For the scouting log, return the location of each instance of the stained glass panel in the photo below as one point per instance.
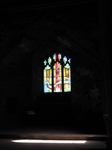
(67, 74)
(57, 69)
(47, 76)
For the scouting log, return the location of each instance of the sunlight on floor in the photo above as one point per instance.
(50, 141)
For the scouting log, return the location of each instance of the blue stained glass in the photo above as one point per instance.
(69, 60)
(65, 59)
(59, 56)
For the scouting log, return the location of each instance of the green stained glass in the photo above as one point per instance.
(45, 62)
(49, 60)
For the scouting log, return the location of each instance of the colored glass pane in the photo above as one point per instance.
(49, 60)
(57, 69)
(47, 76)
(64, 59)
(67, 74)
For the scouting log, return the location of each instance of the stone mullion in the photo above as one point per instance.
(62, 75)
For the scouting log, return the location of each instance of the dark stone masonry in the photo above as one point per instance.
(28, 36)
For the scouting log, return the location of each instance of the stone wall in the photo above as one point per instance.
(28, 37)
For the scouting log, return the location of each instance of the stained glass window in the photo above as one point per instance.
(57, 74)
